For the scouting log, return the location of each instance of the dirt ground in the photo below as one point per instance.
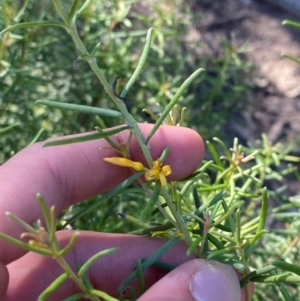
(276, 96)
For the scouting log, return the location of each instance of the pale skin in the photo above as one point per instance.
(68, 174)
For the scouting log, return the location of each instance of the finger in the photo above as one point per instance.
(67, 174)
(32, 273)
(198, 279)
(4, 278)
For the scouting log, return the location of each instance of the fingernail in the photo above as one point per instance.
(215, 282)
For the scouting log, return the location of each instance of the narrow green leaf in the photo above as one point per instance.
(248, 251)
(8, 129)
(265, 141)
(285, 215)
(150, 230)
(52, 287)
(224, 256)
(20, 222)
(96, 47)
(222, 227)
(162, 265)
(45, 210)
(70, 244)
(196, 199)
(52, 230)
(276, 158)
(193, 246)
(25, 246)
(32, 24)
(79, 108)
(91, 260)
(85, 278)
(85, 137)
(215, 241)
(73, 9)
(103, 295)
(133, 220)
(256, 237)
(148, 262)
(173, 101)
(222, 252)
(224, 147)
(215, 154)
(227, 215)
(105, 197)
(164, 154)
(83, 7)
(214, 212)
(225, 237)
(211, 202)
(154, 117)
(290, 158)
(238, 225)
(287, 267)
(108, 139)
(182, 115)
(285, 293)
(124, 34)
(291, 57)
(205, 165)
(146, 212)
(291, 23)
(264, 270)
(206, 187)
(229, 221)
(140, 276)
(74, 297)
(141, 63)
(37, 136)
(263, 211)
(156, 210)
(204, 247)
(280, 278)
(19, 15)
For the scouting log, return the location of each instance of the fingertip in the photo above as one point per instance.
(200, 280)
(215, 281)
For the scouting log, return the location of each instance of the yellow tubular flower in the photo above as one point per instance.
(158, 172)
(138, 166)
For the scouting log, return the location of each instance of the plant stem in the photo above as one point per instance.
(62, 262)
(178, 218)
(131, 122)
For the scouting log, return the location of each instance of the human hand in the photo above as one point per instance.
(65, 175)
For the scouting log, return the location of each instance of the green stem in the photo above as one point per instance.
(61, 261)
(178, 218)
(61, 10)
(131, 122)
(72, 30)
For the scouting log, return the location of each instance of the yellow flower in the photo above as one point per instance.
(138, 166)
(157, 172)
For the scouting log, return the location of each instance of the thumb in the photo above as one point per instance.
(199, 280)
